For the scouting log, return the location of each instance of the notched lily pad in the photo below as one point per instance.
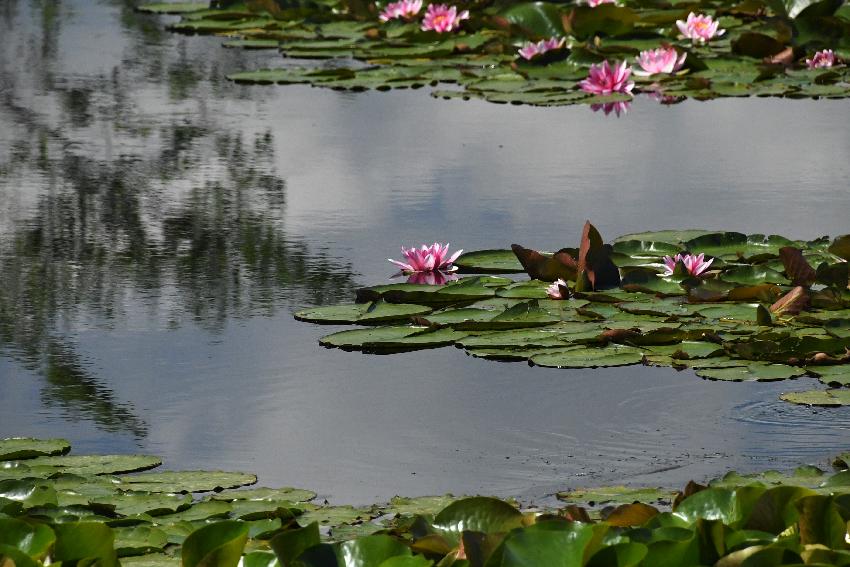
(13, 448)
(582, 357)
(186, 481)
(825, 398)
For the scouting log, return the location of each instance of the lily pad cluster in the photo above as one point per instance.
(769, 308)
(762, 53)
(97, 517)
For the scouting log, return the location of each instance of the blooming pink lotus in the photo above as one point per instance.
(619, 107)
(822, 60)
(699, 28)
(427, 259)
(531, 49)
(695, 264)
(402, 9)
(595, 3)
(556, 290)
(442, 18)
(661, 60)
(604, 79)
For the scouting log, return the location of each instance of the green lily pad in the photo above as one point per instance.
(203, 510)
(618, 495)
(835, 376)
(173, 7)
(826, 398)
(139, 540)
(422, 505)
(186, 481)
(752, 372)
(286, 493)
(364, 313)
(489, 261)
(97, 464)
(27, 448)
(582, 357)
(334, 515)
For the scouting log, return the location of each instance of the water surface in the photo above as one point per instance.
(159, 225)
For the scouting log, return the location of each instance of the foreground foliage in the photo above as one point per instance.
(763, 311)
(512, 51)
(78, 510)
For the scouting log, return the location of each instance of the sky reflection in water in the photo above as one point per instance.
(158, 225)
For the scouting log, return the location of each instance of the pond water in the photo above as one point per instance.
(159, 225)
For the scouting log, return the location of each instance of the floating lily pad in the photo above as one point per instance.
(186, 481)
(752, 372)
(826, 398)
(334, 515)
(286, 493)
(97, 464)
(173, 7)
(617, 495)
(581, 357)
(364, 313)
(27, 448)
(835, 376)
(139, 540)
(489, 261)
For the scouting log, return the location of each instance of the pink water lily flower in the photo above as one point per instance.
(822, 60)
(427, 259)
(619, 107)
(402, 9)
(699, 28)
(531, 49)
(661, 60)
(442, 18)
(695, 264)
(604, 79)
(595, 3)
(555, 291)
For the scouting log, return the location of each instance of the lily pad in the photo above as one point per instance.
(582, 357)
(286, 493)
(826, 398)
(364, 313)
(489, 261)
(186, 481)
(27, 448)
(835, 376)
(97, 464)
(752, 372)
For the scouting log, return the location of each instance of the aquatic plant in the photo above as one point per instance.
(764, 314)
(106, 510)
(699, 28)
(695, 264)
(659, 60)
(755, 58)
(405, 9)
(558, 290)
(604, 79)
(532, 49)
(595, 3)
(427, 258)
(443, 18)
(821, 60)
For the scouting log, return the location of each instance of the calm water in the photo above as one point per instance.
(159, 225)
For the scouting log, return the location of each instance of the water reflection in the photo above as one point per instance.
(124, 208)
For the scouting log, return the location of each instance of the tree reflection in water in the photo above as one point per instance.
(134, 206)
